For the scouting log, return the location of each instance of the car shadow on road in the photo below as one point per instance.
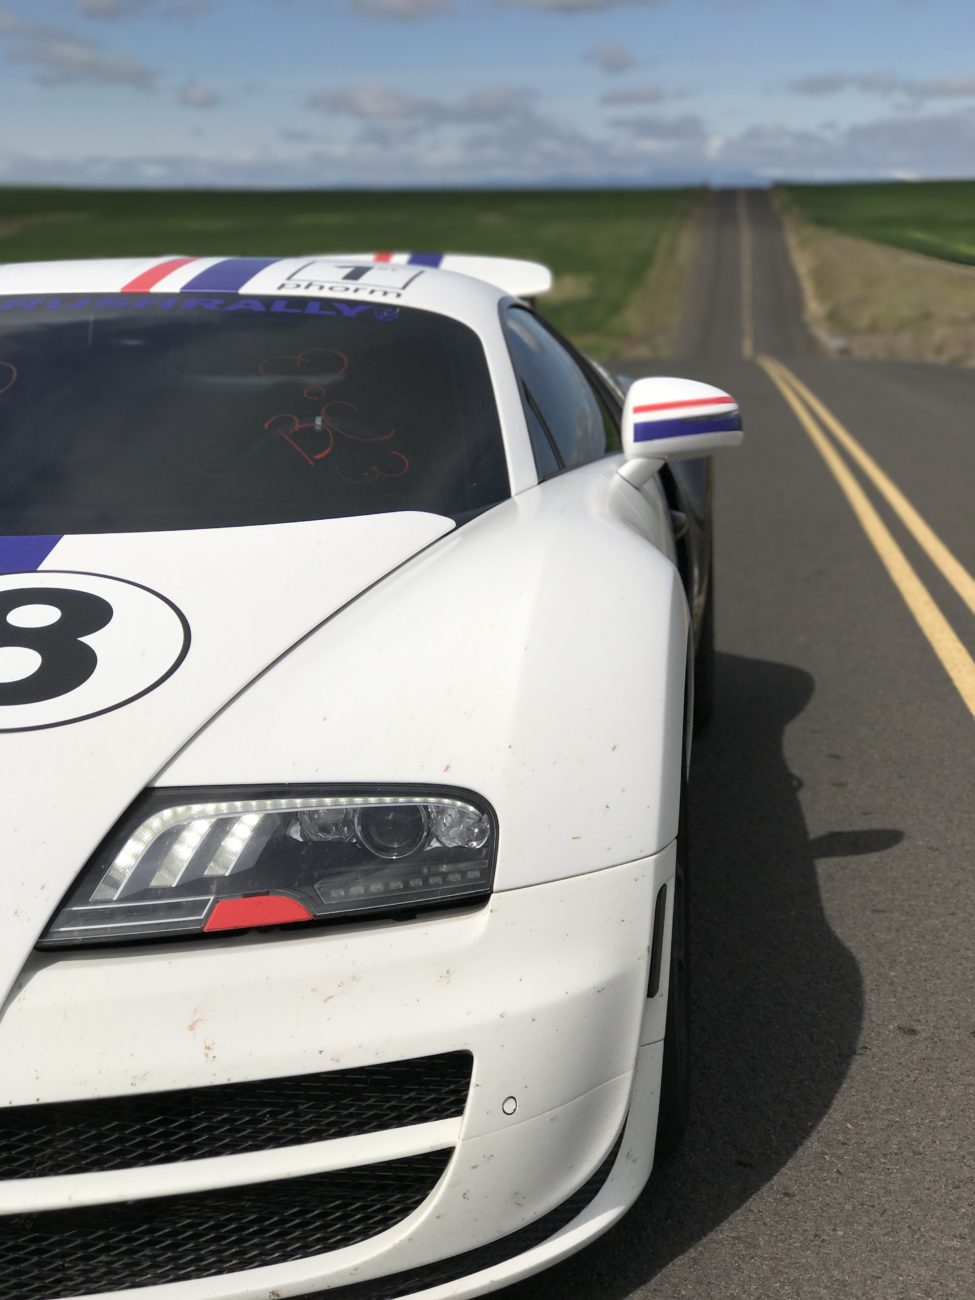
(777, 999)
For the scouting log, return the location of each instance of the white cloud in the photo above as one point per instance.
(11, 23)
(579, 6)
(372, 103)
(655, 134)
(492, 134)
(497, 101)
(635, 95)
(404, 10)
(535, 149)
(945, 88)
(187, 9)
(937, 146)
(941, 145)
(61, 59)
(110, 8)
(834, 83)
(610, 57)
(196, 95)
(883, 83)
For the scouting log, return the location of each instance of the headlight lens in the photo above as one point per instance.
(185, 862)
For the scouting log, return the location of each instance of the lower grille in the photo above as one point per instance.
(158, 1128)
(395, 1285)
(62, 1253)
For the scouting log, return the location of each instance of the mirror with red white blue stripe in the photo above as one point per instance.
(677, 419)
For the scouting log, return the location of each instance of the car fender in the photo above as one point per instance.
(536, 656)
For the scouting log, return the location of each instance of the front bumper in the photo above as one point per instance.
(545, 987)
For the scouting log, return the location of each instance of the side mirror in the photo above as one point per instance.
(678, 419)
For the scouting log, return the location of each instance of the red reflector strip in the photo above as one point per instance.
(149, 279)
(694, 401)
(382, 257)
(265, 909)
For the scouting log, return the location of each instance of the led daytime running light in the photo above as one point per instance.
(204, 865)
(118, 875)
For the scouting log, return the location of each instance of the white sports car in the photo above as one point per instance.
(346, 620)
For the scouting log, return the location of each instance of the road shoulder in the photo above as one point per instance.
(873, 302)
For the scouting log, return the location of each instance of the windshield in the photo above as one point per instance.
(124, 413)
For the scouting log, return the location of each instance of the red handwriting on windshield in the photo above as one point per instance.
(315, 433)
(8, 376)
(319, 365)
(332, 422)
(321, 426)
(395, 467)
(314, 369)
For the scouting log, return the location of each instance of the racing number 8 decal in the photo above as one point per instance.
(65, 661)
(76, 645)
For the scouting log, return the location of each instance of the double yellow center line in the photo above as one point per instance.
(816, 419)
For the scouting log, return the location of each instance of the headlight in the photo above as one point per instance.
(195, 861)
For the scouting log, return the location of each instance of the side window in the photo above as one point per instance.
(543, 445)
(570, 421)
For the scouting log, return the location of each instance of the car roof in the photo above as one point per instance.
(451, 284)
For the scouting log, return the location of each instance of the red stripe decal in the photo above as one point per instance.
(265, 909)
(382, 257)
(148, 279)
(696, 401)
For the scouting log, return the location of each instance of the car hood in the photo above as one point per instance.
(117, 648)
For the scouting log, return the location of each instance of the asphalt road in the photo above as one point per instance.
(832, 1145)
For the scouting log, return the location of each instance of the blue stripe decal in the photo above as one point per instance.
(652, 430)
(425, 259)
(23, 554)
(228, 276)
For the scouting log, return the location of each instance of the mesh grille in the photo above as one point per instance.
(395, 1285)
(227, 1119)
(172, 1239)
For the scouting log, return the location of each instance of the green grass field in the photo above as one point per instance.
(936, 218)
(606, 247)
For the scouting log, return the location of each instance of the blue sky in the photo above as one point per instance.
(325, 93)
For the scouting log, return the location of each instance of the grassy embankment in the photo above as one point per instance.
(619, 256)
(857, 249)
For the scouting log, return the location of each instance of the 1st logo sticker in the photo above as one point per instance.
(76, 645)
